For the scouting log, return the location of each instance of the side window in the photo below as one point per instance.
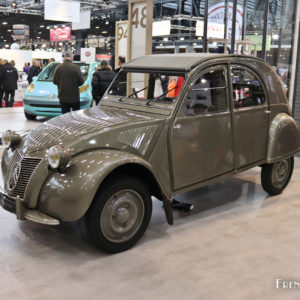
(247, 89)
(208, 94)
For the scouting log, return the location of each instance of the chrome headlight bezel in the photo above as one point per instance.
(58, 157)
(10, 139)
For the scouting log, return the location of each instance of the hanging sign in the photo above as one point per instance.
(60, 34)
(60, 10)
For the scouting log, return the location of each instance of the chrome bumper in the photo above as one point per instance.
(16, 207)
(7, 203)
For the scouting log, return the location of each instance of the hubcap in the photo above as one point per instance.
(122, 216)
(280, 173)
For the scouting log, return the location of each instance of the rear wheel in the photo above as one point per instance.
(29, 116)
(275, 177)
(119, 214)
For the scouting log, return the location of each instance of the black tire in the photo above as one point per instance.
(120, 199)
(29, 116)
(275, 177)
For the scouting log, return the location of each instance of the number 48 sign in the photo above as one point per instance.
(140, 18)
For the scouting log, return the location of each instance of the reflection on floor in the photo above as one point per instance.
(234, 245)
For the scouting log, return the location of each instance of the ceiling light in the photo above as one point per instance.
(4, 23)
(106, 22)
(9, 30)
(42, 26)
(104, 32)
(182, 38)
(97, 27)
(166, 39)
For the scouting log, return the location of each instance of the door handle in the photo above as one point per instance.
(177, 126)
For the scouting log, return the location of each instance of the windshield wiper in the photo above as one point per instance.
(133, 94)
(165, 93)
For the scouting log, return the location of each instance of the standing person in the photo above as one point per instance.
(121, 62)
(9, 76)
(68, 78)
(34, 70)
(102, 78)
(1, 83)
(26, 68)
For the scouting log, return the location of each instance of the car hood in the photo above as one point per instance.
(97, 127)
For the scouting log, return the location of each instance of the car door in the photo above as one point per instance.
(250, 116)
(201, 135)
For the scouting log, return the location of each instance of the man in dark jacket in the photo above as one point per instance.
(9, 77)
(34, 70)
(68, 78)
(102, 78)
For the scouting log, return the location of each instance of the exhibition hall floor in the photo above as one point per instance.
(234, 245)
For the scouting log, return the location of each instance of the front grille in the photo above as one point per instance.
(16, 184)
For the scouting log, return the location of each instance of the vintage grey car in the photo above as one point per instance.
(166, 125)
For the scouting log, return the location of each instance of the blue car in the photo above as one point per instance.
(41, 96)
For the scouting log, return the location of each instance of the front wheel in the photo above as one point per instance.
(29, 116)
(275, 177)
(119, 214)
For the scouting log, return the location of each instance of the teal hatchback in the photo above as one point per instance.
(41, 96)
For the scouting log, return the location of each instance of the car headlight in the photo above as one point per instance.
(58, 156)
(31, 88)
(10, 139)
(84, 88)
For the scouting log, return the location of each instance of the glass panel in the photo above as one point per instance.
(150, 85)
(208, 94)
(280, 38)
(247, 90)
(255, 23)
(48, 73)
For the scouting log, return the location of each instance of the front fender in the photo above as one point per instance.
(67, 195)
(284, 138)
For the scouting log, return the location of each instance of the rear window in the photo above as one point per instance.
(48, 72)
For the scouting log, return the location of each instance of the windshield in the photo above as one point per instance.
(48, 73)
(153, 86)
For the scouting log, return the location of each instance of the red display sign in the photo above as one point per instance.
(60, 34)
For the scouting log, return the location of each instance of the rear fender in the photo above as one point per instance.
(284, 138)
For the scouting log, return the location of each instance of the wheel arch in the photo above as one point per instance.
(70, 202)
(139, 171)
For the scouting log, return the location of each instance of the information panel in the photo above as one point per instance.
(121, 40)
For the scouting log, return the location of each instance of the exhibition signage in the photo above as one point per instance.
(140, 28)
(139, 42)
(216, 17)
(84, 22)
(161, 28)
(60, 10)
(60, 34)
(88, 55)
(121, 40)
